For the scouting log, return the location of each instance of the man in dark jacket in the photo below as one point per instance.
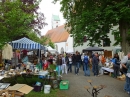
(95, 62)
(77, 65)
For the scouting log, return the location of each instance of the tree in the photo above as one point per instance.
(32, 7)
(95, 19)
(34, 37)
(13, 21)
(18, 18)
(51, 44)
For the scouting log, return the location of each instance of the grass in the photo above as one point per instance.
(53, 93)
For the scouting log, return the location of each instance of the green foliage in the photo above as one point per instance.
(95, 18)
(51, 44)
(34, 37)
(18, 18)
(13, 21)
(44, 40)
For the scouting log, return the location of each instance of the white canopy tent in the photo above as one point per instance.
(50, 49)
(70, 51)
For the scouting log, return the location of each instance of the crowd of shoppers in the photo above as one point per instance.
(66, 61)
(94, 62)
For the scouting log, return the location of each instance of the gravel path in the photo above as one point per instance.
(114, 87)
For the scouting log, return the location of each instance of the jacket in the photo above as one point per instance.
(95, 60)
(128, 66)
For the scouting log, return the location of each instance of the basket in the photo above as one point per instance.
(64, 85)
(37, 88)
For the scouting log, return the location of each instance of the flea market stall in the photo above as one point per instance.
(91, 49)
(25, 68)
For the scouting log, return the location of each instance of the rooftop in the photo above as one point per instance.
(58, 34)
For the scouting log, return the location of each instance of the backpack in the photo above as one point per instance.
(114, 61)
(86, 59)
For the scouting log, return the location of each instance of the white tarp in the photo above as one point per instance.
(70, 51)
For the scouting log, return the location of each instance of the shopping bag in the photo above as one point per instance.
(57, 68)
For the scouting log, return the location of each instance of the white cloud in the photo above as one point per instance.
(48, 8)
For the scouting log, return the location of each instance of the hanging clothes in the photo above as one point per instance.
(25, 52)
(7, 52)
(39, 53)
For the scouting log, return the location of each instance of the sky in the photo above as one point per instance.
(48, 8)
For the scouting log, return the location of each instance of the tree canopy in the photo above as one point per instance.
(44, 40)
(95, 19)
(18, 18)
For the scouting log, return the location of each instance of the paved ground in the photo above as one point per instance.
(78, 82)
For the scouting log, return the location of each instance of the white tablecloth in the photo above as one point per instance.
(107, 69)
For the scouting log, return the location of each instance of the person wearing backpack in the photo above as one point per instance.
(86, 67)
(116, 65)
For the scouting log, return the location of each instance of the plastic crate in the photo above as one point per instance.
(64, 85)
(37, 88)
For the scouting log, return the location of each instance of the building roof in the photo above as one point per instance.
(55, 17)
(58, 34)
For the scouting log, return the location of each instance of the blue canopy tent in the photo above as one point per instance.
(25, 43)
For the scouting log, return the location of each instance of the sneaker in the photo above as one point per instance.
(98, 75)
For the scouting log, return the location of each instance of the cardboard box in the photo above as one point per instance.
(23, 88)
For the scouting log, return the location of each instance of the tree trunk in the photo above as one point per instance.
(123, 28)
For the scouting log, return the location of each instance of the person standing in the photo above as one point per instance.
(85, 64)
(95, 62)
(128, 75)
(64, 66)
(124, 70)
(70, 63)
(77, 65)
(59, 64)
(116, 65)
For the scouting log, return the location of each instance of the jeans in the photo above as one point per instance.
(70, 67)
(59, 69)
(77, 67)
(127, 84)
(116, 70)
(95, 69)
(64, 68)
(86, 70)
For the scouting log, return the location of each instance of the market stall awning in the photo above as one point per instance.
(50, 49)
(93, 49)
(25, 43)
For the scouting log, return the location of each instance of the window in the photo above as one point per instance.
(106, 42)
